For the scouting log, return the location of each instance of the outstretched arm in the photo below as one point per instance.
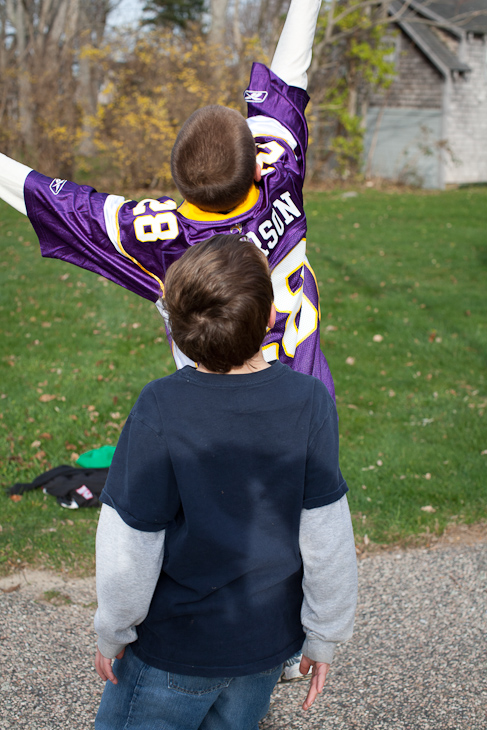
(293, 53)
(12, 178)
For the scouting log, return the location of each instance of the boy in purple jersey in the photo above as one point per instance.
(227, 188)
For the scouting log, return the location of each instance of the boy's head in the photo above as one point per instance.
(213, 161)
(218, 298)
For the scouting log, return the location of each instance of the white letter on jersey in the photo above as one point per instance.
(286, 206)
(268, 234)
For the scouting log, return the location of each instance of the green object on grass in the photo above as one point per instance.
(96, 458)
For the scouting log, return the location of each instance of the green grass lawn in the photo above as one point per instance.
(403, 287)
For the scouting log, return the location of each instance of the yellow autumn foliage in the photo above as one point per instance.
(153, 86)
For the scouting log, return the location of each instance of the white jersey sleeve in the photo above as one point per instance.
(293, 53)
(12, 178)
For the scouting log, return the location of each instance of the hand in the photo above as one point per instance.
(104, 666)
(317, 682)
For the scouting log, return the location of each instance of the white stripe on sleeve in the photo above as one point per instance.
(110, 211)
(262, 126)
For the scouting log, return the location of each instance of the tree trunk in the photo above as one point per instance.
(93, 20)
(216, 35)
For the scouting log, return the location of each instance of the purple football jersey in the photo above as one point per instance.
(133, 243)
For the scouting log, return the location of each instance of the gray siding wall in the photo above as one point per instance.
(406, 145)
(466, 118)
(406, 133)
(418, 85)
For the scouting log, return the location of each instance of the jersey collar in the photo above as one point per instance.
(188, 210)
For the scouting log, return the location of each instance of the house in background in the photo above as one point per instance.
(430, 127)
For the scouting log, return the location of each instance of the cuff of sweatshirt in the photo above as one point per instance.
(108, 650)
(317, 649)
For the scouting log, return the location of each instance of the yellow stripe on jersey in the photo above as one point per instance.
(121, 250)
(192, 212)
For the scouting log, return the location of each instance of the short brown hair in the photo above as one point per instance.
(213, 159)
(218, 299)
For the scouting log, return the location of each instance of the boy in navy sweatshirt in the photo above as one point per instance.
(225, 542)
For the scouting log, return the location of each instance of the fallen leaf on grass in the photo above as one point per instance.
(11, 589)
(15, 497)
(428, 508)
(483, 453)
(350, 361)
(46, 398)
(377, 338)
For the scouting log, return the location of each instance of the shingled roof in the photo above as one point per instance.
(469, 15)
(418, 21)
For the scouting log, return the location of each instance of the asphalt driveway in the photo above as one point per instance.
(417, 661)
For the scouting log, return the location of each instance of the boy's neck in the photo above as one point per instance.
(253, 365)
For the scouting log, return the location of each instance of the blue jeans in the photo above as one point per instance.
(147, 698)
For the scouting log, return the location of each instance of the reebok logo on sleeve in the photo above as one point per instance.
(57, 185)
(255, 97)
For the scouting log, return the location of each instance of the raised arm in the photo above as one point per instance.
(293, 53)
(12, 178)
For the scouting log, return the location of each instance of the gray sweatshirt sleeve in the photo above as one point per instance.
(12, 179)
(293, 53)
(330, 578)
(128, 565)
